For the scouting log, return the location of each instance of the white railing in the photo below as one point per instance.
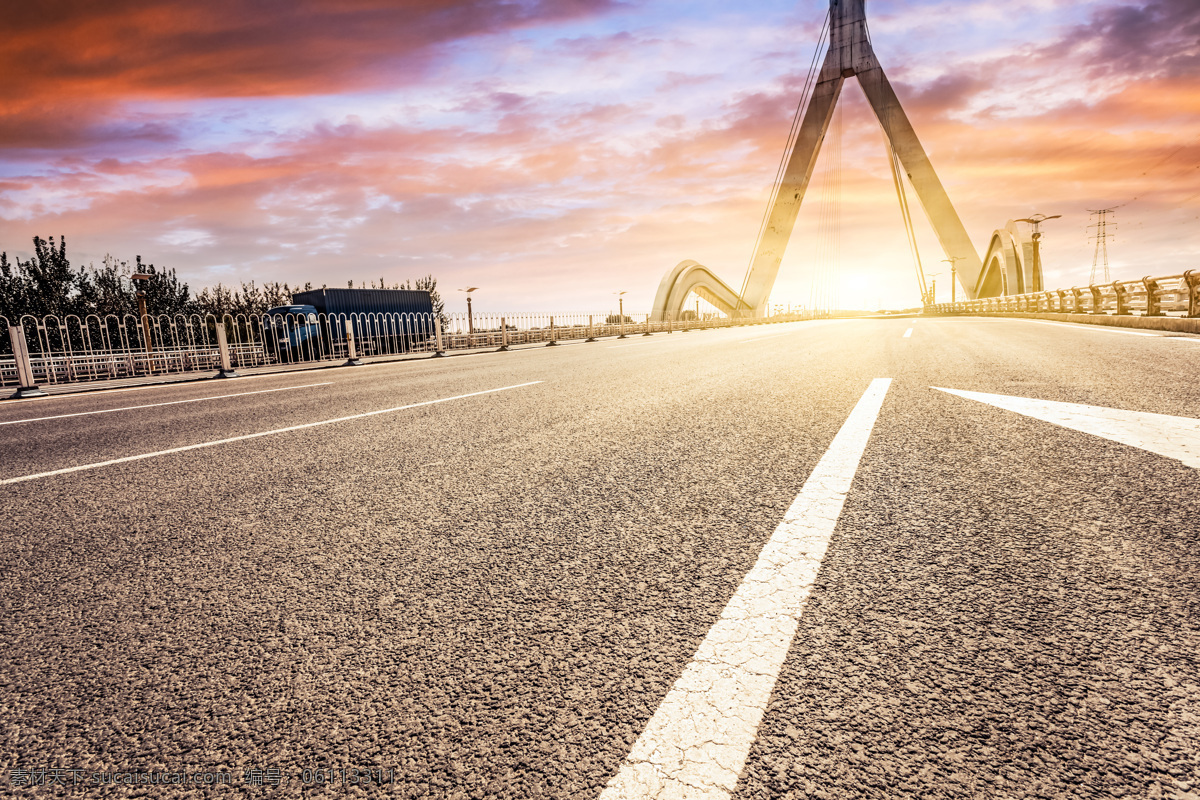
(1174, 295)
(73, 350)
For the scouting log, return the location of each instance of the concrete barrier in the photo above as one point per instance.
(1175, 324)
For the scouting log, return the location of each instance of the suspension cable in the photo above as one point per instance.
(793, 133)
(906, 213)
(824, 287)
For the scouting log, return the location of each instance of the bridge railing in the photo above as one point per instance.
(65, 350)
(1170, 295)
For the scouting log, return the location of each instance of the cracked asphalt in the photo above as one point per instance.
(489, 597)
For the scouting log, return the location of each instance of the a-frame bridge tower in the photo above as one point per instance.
(850, 55)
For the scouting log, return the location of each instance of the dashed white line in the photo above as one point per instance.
(696, 743)
(907, 334)
(243, 438)
(168, 403)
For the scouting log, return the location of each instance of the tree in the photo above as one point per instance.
(429, 284)
(250, 300)
(110, 288)
(45, 284)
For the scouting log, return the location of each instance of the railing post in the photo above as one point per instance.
(503, 335)
(591, 337)
(1077, 300)
(1097, 300)
(1153, 308)
(351, 350)
(552, 341)
(1122, 298)
(437, 329)
(669, 323)
(26, 385)
(647, 333)
(1191, 279)
(226, 370)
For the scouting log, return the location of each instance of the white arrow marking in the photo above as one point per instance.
(1173, 437)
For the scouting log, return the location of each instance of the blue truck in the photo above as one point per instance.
(315, 321)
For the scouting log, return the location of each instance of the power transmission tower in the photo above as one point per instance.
(1101, 237)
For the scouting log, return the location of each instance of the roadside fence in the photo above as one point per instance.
(1172, 295)
(61, 350)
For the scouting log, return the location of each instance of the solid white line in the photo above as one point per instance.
(907, 334)
(1085, 326)
(768, 336)
(1164, 434)
(696, 743)
(635, 344)
(168, 403)
(168, 385)
(185, 448)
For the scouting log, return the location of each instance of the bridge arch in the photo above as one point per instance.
(1008, 266)
(691, 277)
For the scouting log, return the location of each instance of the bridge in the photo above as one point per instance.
(1009, 265)
(947, 554)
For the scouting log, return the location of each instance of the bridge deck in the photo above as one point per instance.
(491, 594)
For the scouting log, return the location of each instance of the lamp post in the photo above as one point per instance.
(932, 299)
(952, 261)
(470, 316)
(621, 311)
(140, 279)
(1036, 220)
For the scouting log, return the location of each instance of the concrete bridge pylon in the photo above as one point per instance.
(849, 55)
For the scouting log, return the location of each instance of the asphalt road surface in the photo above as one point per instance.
(498, 575)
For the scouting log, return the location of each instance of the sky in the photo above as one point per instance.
(553, 152)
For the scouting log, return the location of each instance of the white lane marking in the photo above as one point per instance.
(1166, 435)
(635, 344)
(1083, 326)
(168, 403)
(696, 743)
(907, 334)
(243, 438)
(189, 382)
(768, 336)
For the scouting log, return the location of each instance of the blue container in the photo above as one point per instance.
(366, 301)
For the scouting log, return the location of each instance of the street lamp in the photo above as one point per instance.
(621, 311)
(470, 315)
(952, 260)
(140, 279)
(1036, 220)
(932, 288)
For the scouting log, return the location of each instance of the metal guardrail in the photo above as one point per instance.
(73, 350)
(1172, 295)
